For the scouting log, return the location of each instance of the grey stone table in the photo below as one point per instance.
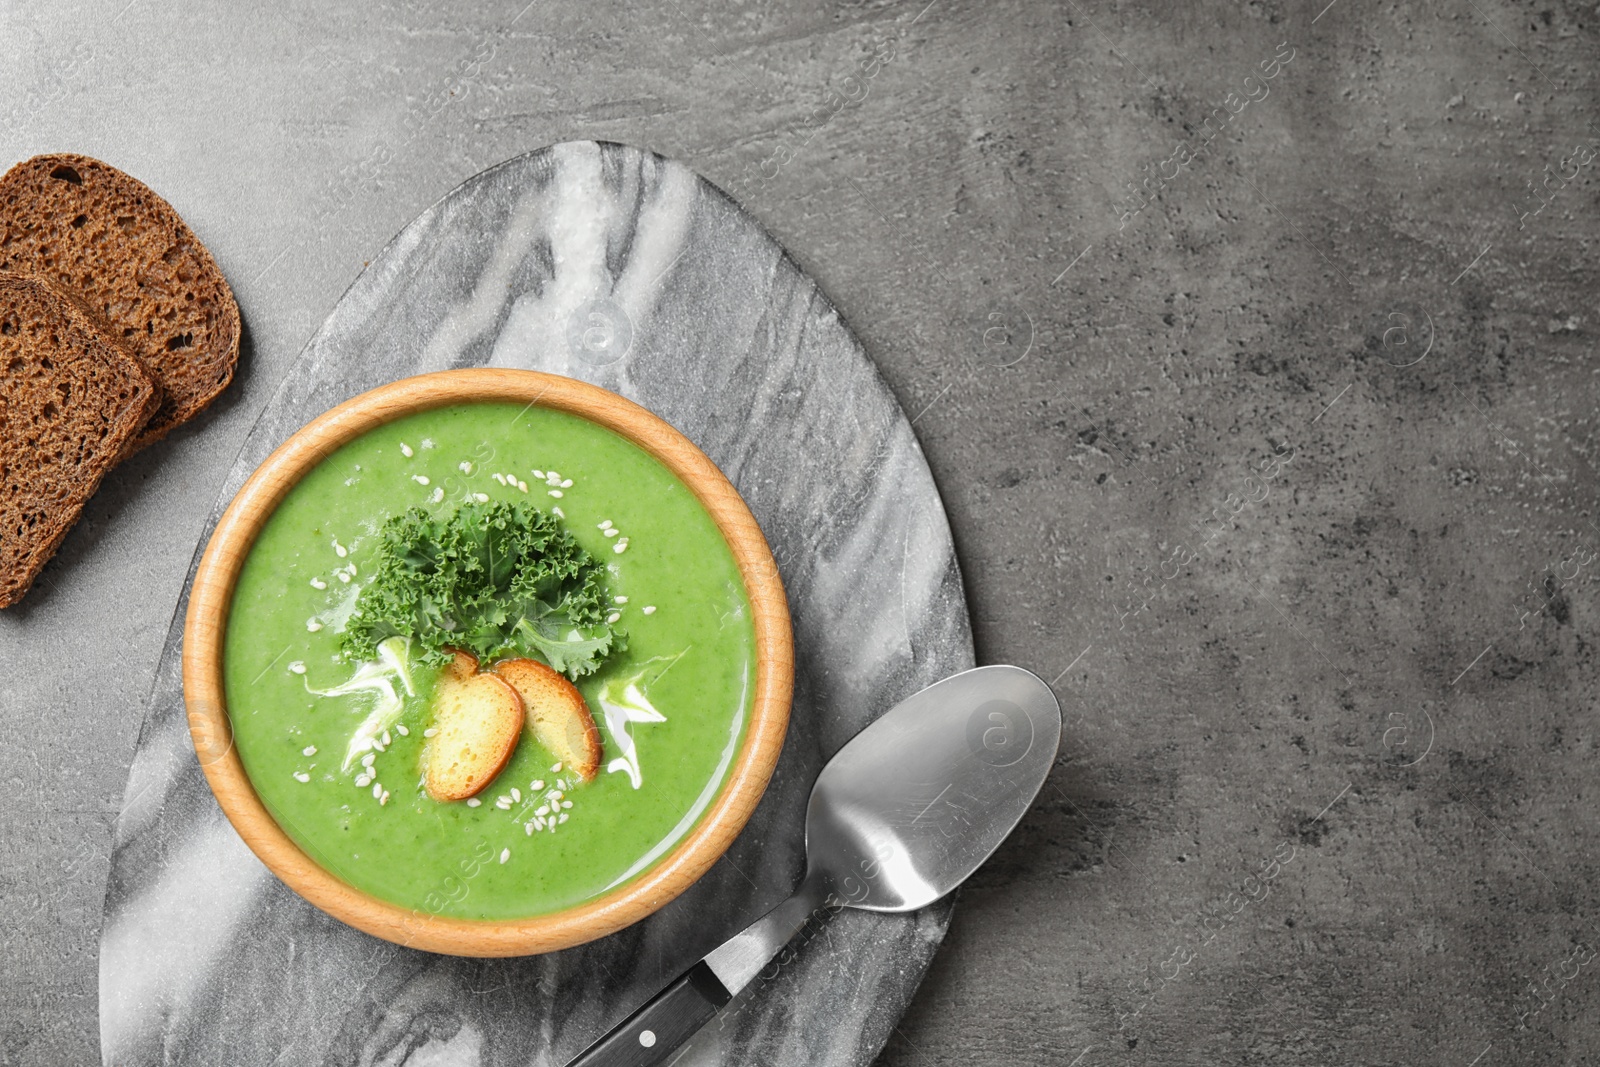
(1380, 258)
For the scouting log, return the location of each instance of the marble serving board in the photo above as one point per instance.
(612, 265)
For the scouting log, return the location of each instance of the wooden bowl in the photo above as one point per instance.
(207, 623)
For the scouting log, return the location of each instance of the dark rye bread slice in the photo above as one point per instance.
(71, 401)
(109, 240)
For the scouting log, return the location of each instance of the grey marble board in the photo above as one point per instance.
(616, 266)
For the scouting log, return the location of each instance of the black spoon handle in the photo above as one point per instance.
(653, 1033)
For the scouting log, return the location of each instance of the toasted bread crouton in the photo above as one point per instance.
(464, 666)
(557, 714)
(479, 718)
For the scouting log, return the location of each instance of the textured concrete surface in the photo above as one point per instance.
(1281, 471)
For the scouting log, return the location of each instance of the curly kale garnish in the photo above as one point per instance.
(494, 579)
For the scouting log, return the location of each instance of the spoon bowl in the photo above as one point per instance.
(916, 802)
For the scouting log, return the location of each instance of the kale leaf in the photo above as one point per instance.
(494, 579)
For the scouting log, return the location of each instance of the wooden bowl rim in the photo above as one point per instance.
(205, 628)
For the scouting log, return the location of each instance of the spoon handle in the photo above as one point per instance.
(654, 1032)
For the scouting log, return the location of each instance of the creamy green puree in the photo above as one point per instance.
(671, 708)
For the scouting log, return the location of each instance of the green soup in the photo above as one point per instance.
(671, 708)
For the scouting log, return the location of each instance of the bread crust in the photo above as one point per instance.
(71, 399)
(556, 713)
(463, 666)
(110, 241)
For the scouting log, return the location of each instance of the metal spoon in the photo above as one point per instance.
(900, 816)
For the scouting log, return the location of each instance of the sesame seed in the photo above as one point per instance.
(339, 550)
(405, 450)
(558, 511)
(566, 483)
(318, 583)
(376, 747)
(386, 739)
(650, 609)
(537, 474)
(438, 495)
(313, 625)
(309, 750)
(482, 498)
(421, 479)
(403, 731)
(613, 617)
(556, 493)
(537, 822)
(497, 476)
(556, 794)
(385, 798)
(363, 780)
(367, 760)
(620, 599)
(527, 828)
(556, 769)
(504, 803)
(474, 802)
(302, 777)
(464, 467)
(613, 532)
(544, 809)
(523, 486)
(516, 795)
(606, 525)
(377, 790)
(505, 854)
(297, 667)
(430, 731)
(553, 474)
(563, 817)
(536, 785)
(566, 803)
(620, 547)
(343, 577)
